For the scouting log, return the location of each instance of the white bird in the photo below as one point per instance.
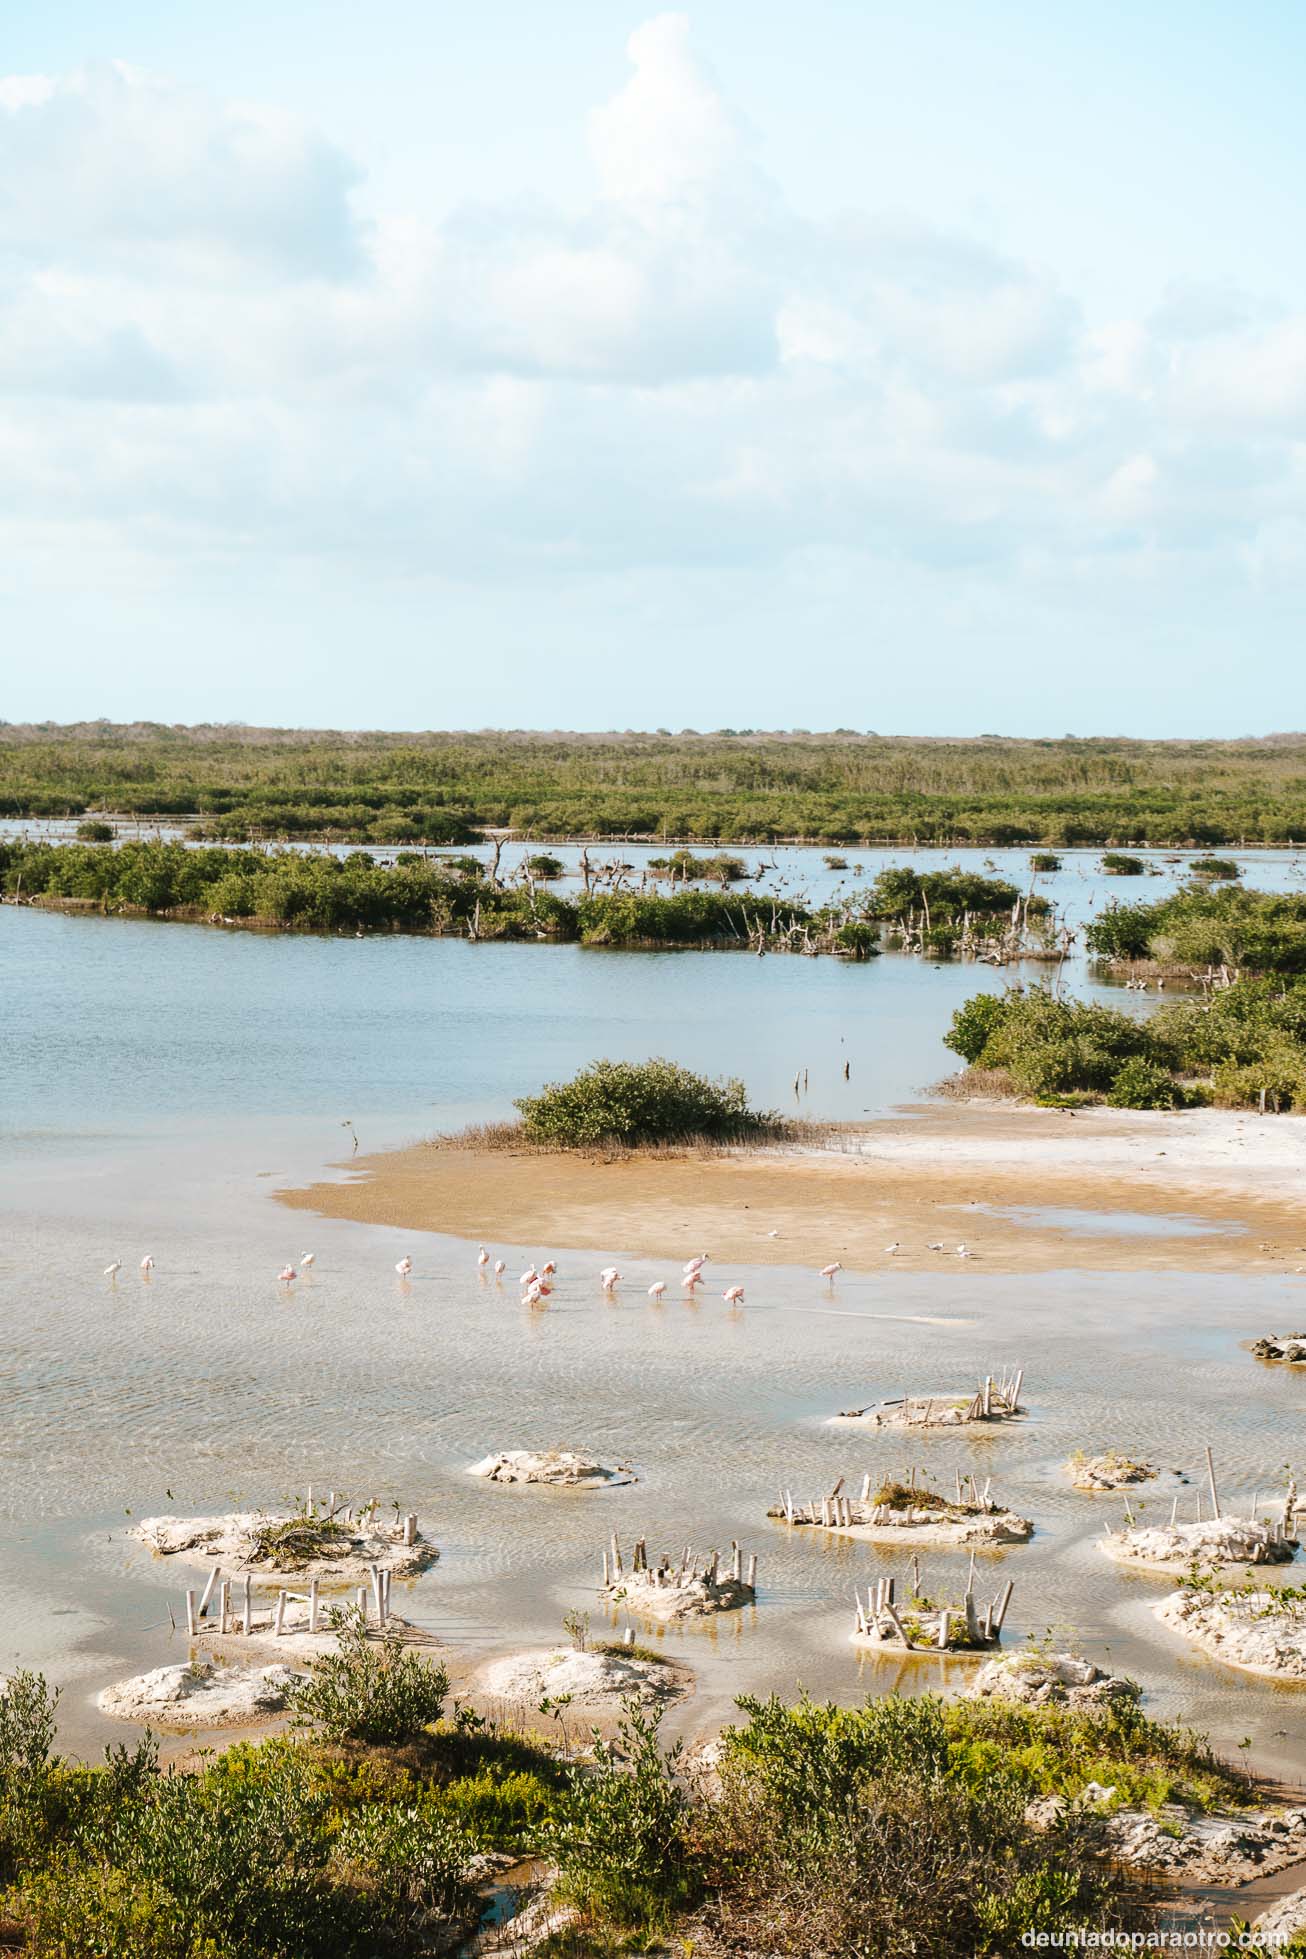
(935, 1248)
(894, 1247)
(548, 1267)
(696, 1264)
(534, 1294)
(112, 1271)
(608, 1277)
(692, 1279)
(147, 1263)
(404, 1267)
(828, 1271)
(500, 1267)
(657, 1289)
(287, 1273)
(963, 1253)
(733, 1295)
(306, 1261)
(482, 1256)
(528, 1277)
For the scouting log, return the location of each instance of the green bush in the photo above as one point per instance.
(1045, 860)
(1217, 869)
(369, 1690)
(93, 831)
(638, 1102)
(1143, 1084)
(545, 866)
(974, 1023)
(620, 1840)
(1117, 863)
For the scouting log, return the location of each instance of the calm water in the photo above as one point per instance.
(160, 1081)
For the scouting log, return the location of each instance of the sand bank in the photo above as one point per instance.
(936, 1176)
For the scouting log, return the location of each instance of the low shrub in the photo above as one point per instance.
(93, 831)
(1143, 1084)
(369, 1690)
(639, 1102)
(1117, 863)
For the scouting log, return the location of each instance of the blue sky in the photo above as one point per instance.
(937, 369)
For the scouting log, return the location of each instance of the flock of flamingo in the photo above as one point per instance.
(535, 1284)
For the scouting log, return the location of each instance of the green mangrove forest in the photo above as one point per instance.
(729, 786)
(302, 890)
(1202, 927)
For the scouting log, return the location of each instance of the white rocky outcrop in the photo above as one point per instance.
(202, 1694)
(1110, 1471)
(1216, 1541)
(563, 1467)
(1040, 1679)
(1259, 1631)
(588, 1679)
(345, 1550)
(1282, 1921)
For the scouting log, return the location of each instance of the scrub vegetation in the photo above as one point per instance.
(728, 786)
(895, 1828)
(1236, 1046)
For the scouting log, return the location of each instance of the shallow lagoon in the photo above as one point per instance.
(160, 1081)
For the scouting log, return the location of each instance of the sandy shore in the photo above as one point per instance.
(927, 1175)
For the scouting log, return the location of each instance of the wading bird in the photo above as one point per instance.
(112, 1271)
(500, 1267)
(609, 1277)
(733, 1295)
(404, 1267)
(147, 1265)
(306, 1261)
(657, 1289)
(287, 1273)
(548, 1267)
(482, 1256)
(528, 1277)
(828, 1271)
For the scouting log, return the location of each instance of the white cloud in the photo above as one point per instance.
(204, 353)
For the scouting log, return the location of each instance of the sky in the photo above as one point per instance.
(935, 369)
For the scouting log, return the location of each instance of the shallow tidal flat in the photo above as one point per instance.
(1022, 1189)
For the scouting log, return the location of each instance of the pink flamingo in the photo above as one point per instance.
(147, 1265)
(657, 1289)
(733, 1295)
(500, 1267)
(696, 1264)
(528, 1277)
(287, 1274)
(482, 1256)
(404, 1267)
(609, 1277)
(112, 1271)
(828, 1271)
(548, 1268)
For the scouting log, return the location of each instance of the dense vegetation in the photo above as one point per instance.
(1201, 927)
(729, 786)
(636, 1103)
(1234, 1046)
(890, 1829)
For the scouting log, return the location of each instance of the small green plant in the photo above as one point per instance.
(93, 831)
(1045, 860)
(576, 1625)
(372, 1691)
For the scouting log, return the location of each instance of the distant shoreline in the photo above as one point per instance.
(940, 1173)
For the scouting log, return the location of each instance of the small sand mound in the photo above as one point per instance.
(276, 1545)
(1217, 1541)
(945, 1409)
(1111, 1471)
(1262, 1631)
(562, 1467)
(1040, 1679)
(902, 1516)
(200, 1695)
(590, 1678)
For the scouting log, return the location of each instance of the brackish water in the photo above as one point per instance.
(160, 1081)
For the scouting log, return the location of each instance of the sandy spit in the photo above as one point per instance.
(912, 1180)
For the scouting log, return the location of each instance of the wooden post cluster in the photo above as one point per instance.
(944, 1628)
(665, 1574)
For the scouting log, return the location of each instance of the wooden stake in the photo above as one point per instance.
(214, 1576)
(410, 1529)
(312, 1604)
(192, 1625)
(280, 1620)
(249, 1607)
(1215, 1495)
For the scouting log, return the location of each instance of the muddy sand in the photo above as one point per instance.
(927, 1177)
